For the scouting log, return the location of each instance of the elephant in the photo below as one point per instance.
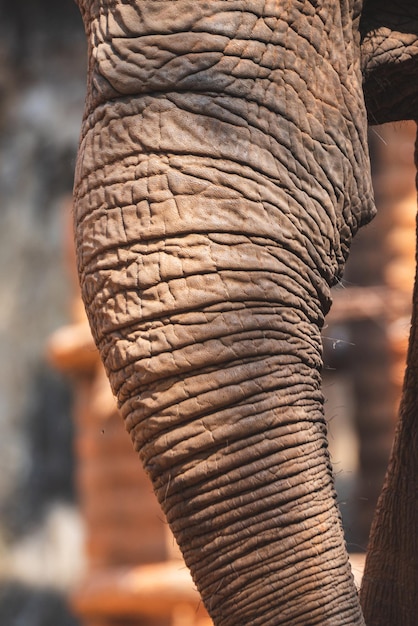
(222, 173)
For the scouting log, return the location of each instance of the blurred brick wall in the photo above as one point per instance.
(42, 84)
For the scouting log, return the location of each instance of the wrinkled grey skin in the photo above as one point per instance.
(222, 173)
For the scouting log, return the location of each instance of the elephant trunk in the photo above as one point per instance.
(209, 329)
(212, 215)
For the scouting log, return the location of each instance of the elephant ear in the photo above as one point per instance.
(389, 50)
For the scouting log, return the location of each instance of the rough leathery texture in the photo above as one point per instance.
(222, 173)
(389, 47)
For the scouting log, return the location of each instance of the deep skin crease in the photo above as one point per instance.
(222, 173)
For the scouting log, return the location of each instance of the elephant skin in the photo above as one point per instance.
(223, 170)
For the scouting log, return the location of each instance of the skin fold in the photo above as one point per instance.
(222, 173)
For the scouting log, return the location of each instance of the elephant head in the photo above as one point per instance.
(222, 173)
